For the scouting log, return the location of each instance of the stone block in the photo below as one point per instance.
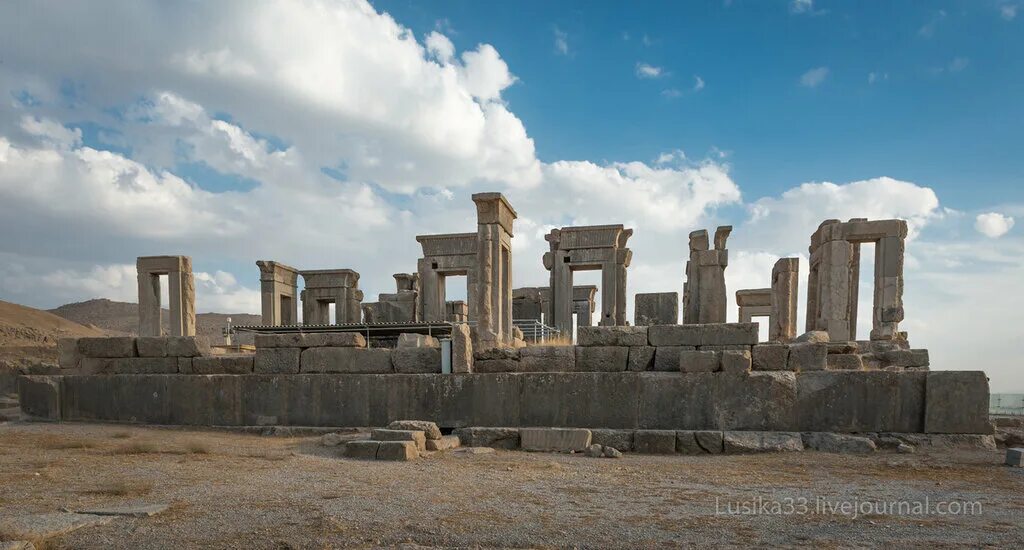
(187, 346)
(362, 450)
(499, 438)
(735, 362)
(346, 360)
(770, 357)
(640, 359)
(407, 340)
(116, 346)
(311, 340)
(429, 429)
(491, 366)
(68, 355)
(611, 336)
(675, 335)
(185, 365)
(618, 439)
(654, 442)
(661, 308)
(151, 346)
(686, 443)
(601, 358)
(579, 399)
(559, 440)
(223, 364)
(445, 443)
(277, 361)
(416, 436)
(725, 334)
(957, 402)
(734, 347)
(143, 365)
(846, 361)
(666, 358)
(807, 356)
(462, 349)
(422, 360)
(39, 397)
(698, 361)
(547, 359)
(829, 442)
(712, 441)
(814, 336)
(861, 401)
(1015, 457)
(397, 451)
(761, 442)
(906, 358)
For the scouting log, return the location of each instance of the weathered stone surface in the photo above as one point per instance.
(68, 355)
(861, 401)
(619, 439)
(362, 450)
(38, 527)
(982, 442)
(847, 361)
(807, 356)
(594, 451)
(725, 334)
(445, 443)
(693, 401)
(277, 361)
(957, 402)
(115, 346)
(906, 358)
(474, 451)
(331, 440)
(814, 336)
(579, 400)
(547, 359)
(346, 360)
(407, 340)
(151, 346)
(491, 366)
(711, 441)
(562, 440)
(675, 335)
(733, 347)
(429, 429)
(686, 443)
(501, 438)
(223, 364)
(611, 336)
(39, 397)
(735, 362)
(416, 436)
(641, 358)
(1014, 457)
(143, 365)
(601, 358)
(185, 365)
(770, 357)
(611, 452)
(698, 361)
(666, 358)
(830, 442)
(654, 442)
(311, 340)
(134, 511)
(497, 354)
(761, 442)
(661, 308)
(421, 360)
(462, 349)
(187, 346)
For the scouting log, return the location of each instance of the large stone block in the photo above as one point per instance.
(957, 402)
(429, 429)
(601, 358)
(397, 451)
(346, 360)
(829, 442)
(311, 340)
(726, 334)
(223, 364)
(861, 401)
(151, 346)
(712, 441)
(492, 366)
(686, 443)
(416, 436)
(277, 361)
(462, 349)
(579, 400)
(561, 440)
(362, 450)
(661, 308)
(68, 355)
(117, 346)
(844, 361)
(906, 358)
(416, 360)
(409, 340)
(498, 438)
(641, 358)
(762, 442)
(617, 439)
(770, 357)
(445, 443)
(143, 365)
(40, 397)
(698, 361)
(547, 359)
(807, 356)
(735, 362)
(187, 346)
(611, 336)
(675, 335)
(654, 442)
(666, 358)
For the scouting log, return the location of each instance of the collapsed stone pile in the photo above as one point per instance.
(402, 440)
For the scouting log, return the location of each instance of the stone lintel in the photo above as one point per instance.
(162, 265)
(754, 297)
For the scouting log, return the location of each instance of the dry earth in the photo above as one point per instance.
(123, 318)
(230, 490)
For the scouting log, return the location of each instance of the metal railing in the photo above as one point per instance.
(533, 330)
(1006, 404)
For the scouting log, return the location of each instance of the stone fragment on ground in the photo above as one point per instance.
(1015, 457)
(564, 440)
(37, 527)
(762, 442)
(475, 450)
(429, 429)
(503, 438)
(447, 442)
(362, 450)
(415, 436)
(135, 511)
(397, 451)
(838, 443)
(331, 440)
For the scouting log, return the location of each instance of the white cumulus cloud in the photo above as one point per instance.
(993, 224)
(814, 77)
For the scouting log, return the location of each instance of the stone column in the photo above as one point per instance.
(622, 260)
(834, 294)
(785, 287)
(182, 295)
(492, 303)
(609, 294)
(149, 304)
(691, 288)
(432, 294)
(888, 304)
(561, 291)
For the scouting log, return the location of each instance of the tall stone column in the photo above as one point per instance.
(785, 287)
(561, 290)
(431, 296)
(492, 292)
(888, 309)
(182, 295)
(834, 290)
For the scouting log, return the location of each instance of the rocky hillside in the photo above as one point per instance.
(123, 317)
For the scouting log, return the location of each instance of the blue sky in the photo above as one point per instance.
(329, 133)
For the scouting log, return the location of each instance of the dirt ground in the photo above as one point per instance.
(231, 490)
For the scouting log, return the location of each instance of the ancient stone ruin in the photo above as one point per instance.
(702, 386)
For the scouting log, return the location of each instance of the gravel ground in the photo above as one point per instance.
(230, 490)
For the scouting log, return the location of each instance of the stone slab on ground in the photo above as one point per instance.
(686, 443)
(362, 450)
(277, 361)
(223, 364)
(37, 527)
(1015, 457)
(130, 510)
(502, 438)
(561, 440)
(346, 360)
(601, 358)
(115, 346)
(619, 439)
(712, 441)
(762, 442)
(654, 442)
(397, 451)
(611, 336)
(957, 402)
(447, 442)
(475, 450)
(830, 442)
(417, 360)
(429, 429)
(417, 437)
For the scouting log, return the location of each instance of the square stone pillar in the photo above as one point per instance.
(834, 290)
(888, 304)
(661, 308)
(492, 305)
(785, 288)
(561, 290)
(278, 293)
(182, 295)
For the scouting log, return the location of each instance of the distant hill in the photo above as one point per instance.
(22, 326)
(123, 317)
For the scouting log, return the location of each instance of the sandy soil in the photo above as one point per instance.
(230, 490)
